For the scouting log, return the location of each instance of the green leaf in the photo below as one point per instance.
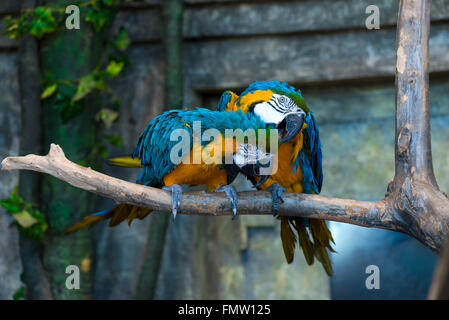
(98, 17)
(19, 294)
(49, 90)
(122, 40)
(7, 21)
(31, 222)
(24, 219)
(85, 86)
(10, 207)
(36, 230)
(101, 84)
(14, 203)
(12, 27)
(43, 22)
(67, 108)
(114, 68)
(108, 116)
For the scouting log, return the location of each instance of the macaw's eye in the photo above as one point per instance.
(282, 99)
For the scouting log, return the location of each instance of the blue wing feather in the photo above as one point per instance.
(311, 157)
(224, 100)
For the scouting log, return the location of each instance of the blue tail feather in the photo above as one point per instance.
(100, 213)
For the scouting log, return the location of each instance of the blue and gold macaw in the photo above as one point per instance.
(299, 167)
(154, 154)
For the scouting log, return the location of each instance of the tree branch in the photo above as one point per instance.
(363, 213)
(413, 149)
(416, 201)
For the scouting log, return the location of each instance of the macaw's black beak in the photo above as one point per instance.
(290, 126)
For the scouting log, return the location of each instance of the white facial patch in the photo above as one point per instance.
(275, 109)
(267, 113)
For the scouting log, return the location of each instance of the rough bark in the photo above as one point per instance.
(417, 205)
(172, 13)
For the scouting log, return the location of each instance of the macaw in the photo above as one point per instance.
(154, 155)
(299, 167)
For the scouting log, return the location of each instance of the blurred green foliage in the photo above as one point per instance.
(70, 94)
(43, 21)
(19, 294)
(30, 221)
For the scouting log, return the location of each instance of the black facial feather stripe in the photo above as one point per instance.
(276, 106)
(282, 104)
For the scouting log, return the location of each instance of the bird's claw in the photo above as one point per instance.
(176, 196)
(231, 193)
(276, 194)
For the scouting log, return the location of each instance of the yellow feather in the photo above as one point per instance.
(117, 214)
(322, 256)
(133, 214)
(138, 212)
(259, 95)
(125, 161)
(143, 212)
(321, 238)
(304, 240)
(321, 233)
(297, 146)
(288, 240)
(88, 221)
(120, 213)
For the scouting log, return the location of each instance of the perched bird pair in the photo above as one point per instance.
(263, 105)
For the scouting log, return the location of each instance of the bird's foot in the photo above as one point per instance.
(231, 193)
(276, 194)
(176, 196)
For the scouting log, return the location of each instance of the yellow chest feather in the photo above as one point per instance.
(287, 154)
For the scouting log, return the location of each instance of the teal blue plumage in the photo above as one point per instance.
(311, 158)
(154, 145)
(224, 100)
